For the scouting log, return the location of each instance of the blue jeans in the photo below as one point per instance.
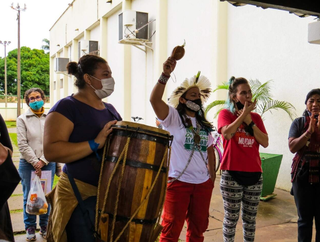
(25, 170)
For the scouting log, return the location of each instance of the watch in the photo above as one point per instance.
(251, 124)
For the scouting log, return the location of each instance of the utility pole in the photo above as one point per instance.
(5, 43)
(17, 8)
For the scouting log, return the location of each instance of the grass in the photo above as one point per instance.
(16, 195)
(13, 137)
(16, 211)
(10, 124)
(55, 181)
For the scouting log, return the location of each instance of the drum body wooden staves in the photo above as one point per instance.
(147, 150)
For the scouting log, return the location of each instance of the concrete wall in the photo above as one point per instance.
(272, 45)
(221, 41)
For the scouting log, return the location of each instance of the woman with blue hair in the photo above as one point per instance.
(241, 182)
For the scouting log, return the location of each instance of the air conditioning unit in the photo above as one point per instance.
(314, 32)
(131, 25)
(88, 46)
(61, 65)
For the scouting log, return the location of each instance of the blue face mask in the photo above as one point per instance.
(36, 105)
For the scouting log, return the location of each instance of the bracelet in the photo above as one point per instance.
(163, 79)
(93, 145)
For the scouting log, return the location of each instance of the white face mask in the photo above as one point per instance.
(107, 87)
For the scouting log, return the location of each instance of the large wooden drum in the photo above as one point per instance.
(132, 183)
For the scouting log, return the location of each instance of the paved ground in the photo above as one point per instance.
(276, 220)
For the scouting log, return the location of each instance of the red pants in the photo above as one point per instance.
(190, 202)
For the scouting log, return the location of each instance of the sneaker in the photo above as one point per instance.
(43, 231)
(31, 234)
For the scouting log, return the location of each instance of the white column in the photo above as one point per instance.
(65, 77)
(126, 5)
(51, 84)
(161, 47)
(74, 58)
(103, 38)
(57, 82)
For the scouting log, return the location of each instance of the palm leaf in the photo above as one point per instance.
(213, 104)
(217, 113)
(276, 104)
(223, 86)
(261, 93)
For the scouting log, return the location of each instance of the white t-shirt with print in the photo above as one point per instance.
(182, 145)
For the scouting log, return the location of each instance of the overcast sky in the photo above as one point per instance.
(36, 21)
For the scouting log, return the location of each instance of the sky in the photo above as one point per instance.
(35, 22)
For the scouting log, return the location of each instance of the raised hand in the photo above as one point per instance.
(169, 65)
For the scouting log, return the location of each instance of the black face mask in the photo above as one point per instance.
(193, 105)
(239, 105)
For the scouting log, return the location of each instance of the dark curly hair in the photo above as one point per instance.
(36, 89)
(86, 65)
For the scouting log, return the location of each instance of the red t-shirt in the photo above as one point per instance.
(241, 152)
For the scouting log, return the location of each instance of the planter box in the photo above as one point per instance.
(270, 166)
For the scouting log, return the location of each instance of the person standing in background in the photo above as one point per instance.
(304, 140)
(243, 132)
(30, 128)
(9, 179)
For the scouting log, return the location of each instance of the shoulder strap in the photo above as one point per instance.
(83, 208)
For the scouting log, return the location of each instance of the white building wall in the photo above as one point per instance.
(221, 41)
(272, 45)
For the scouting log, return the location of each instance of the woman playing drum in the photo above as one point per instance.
(76, 129)
(192, 164)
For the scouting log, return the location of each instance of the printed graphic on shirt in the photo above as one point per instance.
(243, 138)
(189, 141)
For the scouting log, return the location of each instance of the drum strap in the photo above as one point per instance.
(83, 208)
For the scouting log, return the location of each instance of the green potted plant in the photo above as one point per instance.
(265, 103)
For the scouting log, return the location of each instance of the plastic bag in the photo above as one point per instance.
(36, 203)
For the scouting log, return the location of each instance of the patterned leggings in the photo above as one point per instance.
(234, 195)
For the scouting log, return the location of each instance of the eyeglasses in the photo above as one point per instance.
(32, 99)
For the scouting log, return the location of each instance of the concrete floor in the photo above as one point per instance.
(276, 220)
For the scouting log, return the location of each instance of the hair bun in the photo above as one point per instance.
(72, 68)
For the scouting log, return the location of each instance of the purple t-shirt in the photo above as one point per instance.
(88, 122)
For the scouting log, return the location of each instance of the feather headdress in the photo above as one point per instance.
(201, 82)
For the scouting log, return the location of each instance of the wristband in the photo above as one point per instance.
(163, 79)
(251, 124)
(94, 147)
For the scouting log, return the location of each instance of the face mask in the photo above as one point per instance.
(239, 105)
(36, 105)
(107, 87)
(193, 105)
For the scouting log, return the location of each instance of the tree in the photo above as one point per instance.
(261, 92)
(35, 69)
(46, 46)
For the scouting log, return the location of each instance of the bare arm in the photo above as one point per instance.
(159, 106)
(56, 144)
(211, 163)
(262, 138)
(228, 131)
